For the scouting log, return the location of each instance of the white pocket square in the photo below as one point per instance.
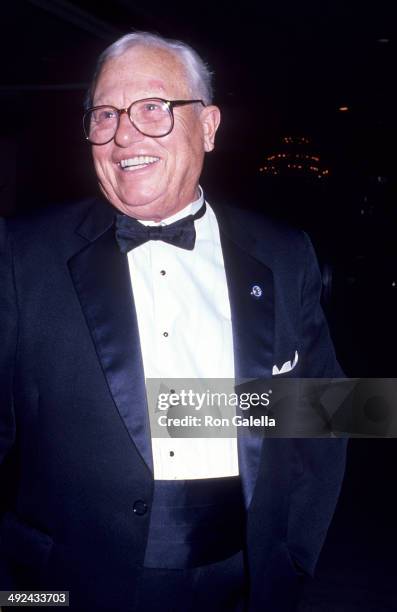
(286, 367)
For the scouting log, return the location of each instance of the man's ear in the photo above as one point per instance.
(210, 118)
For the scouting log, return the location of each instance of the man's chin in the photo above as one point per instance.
(139, 206)
(142, 209)
(147, 206)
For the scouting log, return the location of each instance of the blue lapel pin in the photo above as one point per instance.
(256, 291)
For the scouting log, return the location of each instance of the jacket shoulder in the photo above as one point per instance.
(51, 218)
(55, 229)
(271, 240)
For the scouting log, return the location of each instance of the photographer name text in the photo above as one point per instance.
(211, 421)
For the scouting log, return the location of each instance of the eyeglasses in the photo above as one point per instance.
(152, 117)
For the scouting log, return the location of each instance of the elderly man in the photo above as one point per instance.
(150, 282)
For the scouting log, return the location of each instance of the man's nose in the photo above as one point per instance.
(126, 132)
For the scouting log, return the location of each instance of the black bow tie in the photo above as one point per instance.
(130, 233)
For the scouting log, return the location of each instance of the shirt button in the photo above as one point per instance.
(165, 334)
(172, 453)
(140, 507)
(162, 272)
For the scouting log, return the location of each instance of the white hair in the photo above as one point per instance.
(198, 73)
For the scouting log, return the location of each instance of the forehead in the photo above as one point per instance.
(141, 72)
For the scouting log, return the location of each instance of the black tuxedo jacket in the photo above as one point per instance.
(74, 433)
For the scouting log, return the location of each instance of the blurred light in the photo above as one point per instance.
(343, 109)
(298, 162)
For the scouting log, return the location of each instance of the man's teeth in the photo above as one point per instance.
(140, 160)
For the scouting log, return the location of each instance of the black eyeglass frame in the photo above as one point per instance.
(171, 104)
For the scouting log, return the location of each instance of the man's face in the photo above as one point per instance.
(164, 184)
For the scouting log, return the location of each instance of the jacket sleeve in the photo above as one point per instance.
(8, 341)
(321, 460)
(320, 359)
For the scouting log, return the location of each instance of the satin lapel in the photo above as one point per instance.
(101, 278)
(251, 295)
(250, 286)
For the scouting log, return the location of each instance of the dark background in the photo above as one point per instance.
(282, 73)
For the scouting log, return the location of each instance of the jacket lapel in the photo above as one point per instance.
(101, 278)
(251, 295)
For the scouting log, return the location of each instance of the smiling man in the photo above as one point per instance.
(144, 176)
(151, 282)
